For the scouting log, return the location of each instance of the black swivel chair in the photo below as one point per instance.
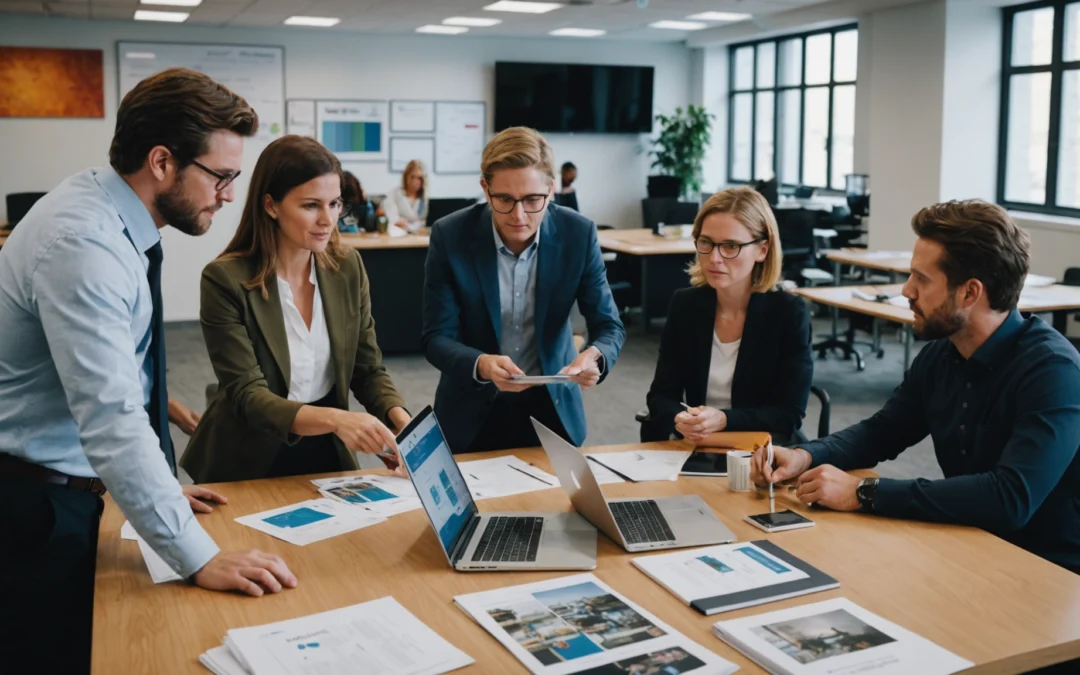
(568, 199)
(19, 203)
(437, 208)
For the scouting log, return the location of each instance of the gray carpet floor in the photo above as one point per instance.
(611, 406)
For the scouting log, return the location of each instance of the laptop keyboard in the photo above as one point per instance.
(641, 522)
(509, 539)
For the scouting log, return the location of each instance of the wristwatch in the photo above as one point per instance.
(866, 493)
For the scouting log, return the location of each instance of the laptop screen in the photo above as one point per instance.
(437, 478)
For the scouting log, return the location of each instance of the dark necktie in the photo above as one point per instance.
(158, 410)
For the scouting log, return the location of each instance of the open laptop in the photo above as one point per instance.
(637, 524)
(487, 541)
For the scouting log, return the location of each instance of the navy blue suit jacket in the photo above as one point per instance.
(462, 313)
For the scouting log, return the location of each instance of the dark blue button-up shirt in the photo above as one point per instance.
(1006, 427)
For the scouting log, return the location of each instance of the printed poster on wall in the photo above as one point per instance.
(355, 131)
(459, 136)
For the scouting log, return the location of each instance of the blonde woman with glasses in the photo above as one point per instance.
(736, 352)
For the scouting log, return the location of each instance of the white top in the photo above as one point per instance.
(399, 206)
(721, 372)
(311, 369)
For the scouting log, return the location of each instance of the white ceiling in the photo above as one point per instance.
(622, 19)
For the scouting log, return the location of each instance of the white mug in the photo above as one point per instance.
(738, 466)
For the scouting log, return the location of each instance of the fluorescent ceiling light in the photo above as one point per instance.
(442, 30)
(719, 16)
(475, 22)
(171, 17)
(679, 25)
(173, 3)
(316, 21)
(523, 7)
(577, 32)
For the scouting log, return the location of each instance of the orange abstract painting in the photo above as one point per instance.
(47, 82)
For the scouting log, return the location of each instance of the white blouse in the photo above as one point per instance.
(721, 373)
(311, 368)
(399, 206)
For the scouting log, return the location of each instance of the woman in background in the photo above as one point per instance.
(406, 204)
(735, 351)
(357, 211)
(286, 316)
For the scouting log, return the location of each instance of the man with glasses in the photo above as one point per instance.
(83, 398)
(500, 281)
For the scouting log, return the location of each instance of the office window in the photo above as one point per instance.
(1039, 149)
(792, 108)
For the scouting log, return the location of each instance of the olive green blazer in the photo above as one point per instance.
(249, 419)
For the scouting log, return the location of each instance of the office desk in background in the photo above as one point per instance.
(663, 263)
(970, 592)
(395, 269)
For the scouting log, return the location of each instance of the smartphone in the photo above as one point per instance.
(779, 521)
(705, 464)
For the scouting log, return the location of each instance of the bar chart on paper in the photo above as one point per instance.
(341, 137)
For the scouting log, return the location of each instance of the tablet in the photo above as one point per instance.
(705, 464)
(540, 379)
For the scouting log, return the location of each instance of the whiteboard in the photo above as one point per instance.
(256, 73)
(355, 131)
(300, 117)
(412, 116)
(404, 149)
(459, 136)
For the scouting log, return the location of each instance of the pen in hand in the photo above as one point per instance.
(769, 461)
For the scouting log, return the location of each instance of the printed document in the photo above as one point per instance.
(310, 521)
(382, 495)
(643, 465)
(602, 474)
(160, 572)
(504, 476)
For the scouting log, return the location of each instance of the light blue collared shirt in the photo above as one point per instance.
(517, 300)
(75, 372)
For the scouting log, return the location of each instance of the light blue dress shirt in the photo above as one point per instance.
(517, 300)
(75, 372)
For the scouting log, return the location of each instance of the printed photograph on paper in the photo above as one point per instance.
(608, 621)
(671, 661)
(822, 636)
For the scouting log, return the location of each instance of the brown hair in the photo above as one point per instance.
(517, 148)
(981, 242)
(754, 212)
(178, 109)
(351, 191)
(284, 164)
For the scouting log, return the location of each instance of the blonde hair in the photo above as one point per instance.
(753, 212)
(517, 148)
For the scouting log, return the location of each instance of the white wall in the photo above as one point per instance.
(612, 170)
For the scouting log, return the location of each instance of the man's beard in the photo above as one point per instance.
(180, 212)
(945, 320)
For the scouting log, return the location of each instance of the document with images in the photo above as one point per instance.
(578, 624)
(310, 521)
(602, 474)
(733, 576)
(835, 637)
(379, 637)
(504, 476)
(382, 495)
(643, 465)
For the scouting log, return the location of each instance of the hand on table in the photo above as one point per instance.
(198, 496)
(696, 423)
(788, 463)
(829, 487)
(252, 572)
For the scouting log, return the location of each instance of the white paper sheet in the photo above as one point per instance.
(376, 638)
(1038, 281)
(387, 495)
(310, 521)
(604, 475)
(644, 465)
(504, 476)
(835, 637)
(220, 661)
(127, 531)
(578, 624)
(159, 570)
(717, 570)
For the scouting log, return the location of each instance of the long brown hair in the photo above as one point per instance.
(284, 164)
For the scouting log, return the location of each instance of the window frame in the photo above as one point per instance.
(778, 90)
(1057, 69)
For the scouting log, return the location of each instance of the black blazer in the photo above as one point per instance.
(772, 377)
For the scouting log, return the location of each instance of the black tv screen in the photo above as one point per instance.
(562, 97)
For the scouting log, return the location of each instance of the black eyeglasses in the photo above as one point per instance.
(505, 203)
(728, 249)
(224, 179)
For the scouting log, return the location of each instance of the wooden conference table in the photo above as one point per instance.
(988, 601)
(663, 263)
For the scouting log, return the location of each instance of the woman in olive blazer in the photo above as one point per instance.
(265, 301)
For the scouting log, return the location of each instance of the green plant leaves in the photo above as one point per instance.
(680, 147)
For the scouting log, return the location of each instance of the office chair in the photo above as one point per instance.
(19, 203)
(569, 200)
(620, 275)
(649, 434)
(438, 208)
(1072, 278)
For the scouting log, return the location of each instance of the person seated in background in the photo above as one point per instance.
(998, 393)
(405, 205)
(356, 209)
(567, 176)
(500, 280)
(287, 320)
(734, 350)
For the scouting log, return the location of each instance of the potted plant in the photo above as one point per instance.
(680, 150)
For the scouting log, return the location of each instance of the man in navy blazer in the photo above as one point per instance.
(500, 280)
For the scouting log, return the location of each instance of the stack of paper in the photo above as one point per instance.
(835, 636)
(160, 572)
(733, 576)
(578, 624)
(379, 637)
(504, 476)
(643, 465)
(382, 495)
(310, 521)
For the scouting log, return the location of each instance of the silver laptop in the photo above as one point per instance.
(636, 524)
(487, 541)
